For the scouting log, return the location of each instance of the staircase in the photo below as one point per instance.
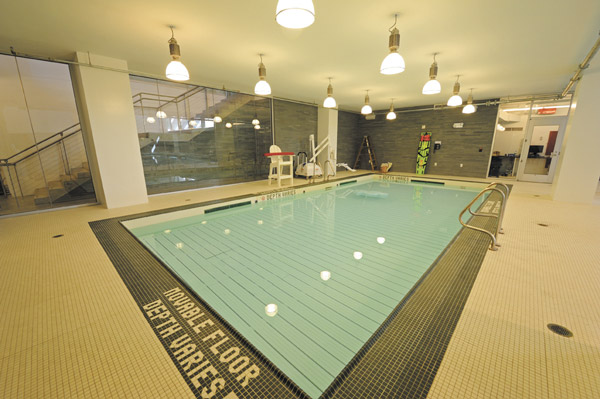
(77, 185)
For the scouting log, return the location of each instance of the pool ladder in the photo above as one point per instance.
(493, 235)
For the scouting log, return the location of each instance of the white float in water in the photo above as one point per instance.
(358, 255)
(381, 240)
(271, 309)
(227, 231)
(325, 275)
(167, 231)
(204, 222)
(179, 245)
(260, 222)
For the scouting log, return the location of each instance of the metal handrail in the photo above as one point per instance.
(497, 183)
(39, 142)
(37, 151)
(494, 244)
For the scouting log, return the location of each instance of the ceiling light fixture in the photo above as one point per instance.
(262, 87)
(391, 115)
(432, 86)
(193, 123)
(366, 109)
(161, 114)
(255, 121)
(500, 127)
(455, 100)
(329, 101)
(176, 70)
(228, 125)
(150, 119)
(393, 63)
(216, 118)
(469, 108)
(256, 127)
(295, 14)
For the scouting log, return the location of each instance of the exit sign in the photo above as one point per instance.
(546, 111)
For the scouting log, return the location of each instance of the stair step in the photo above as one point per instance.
(41, 196)
(80, 173)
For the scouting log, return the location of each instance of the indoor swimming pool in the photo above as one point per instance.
(307, 279)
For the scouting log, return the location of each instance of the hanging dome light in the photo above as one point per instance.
(256, 127)
(217, 119)
(255, 121)
(366, 109)
(500, 127)
(193, 123)
(469, 108)
(391, 115)
(329, 101)
(295, 14)
(161, 114)
(262, 87)
(432, 86)
(176, 70)
(228, 125)
(393, 63)
(150, 119)
(455, 100)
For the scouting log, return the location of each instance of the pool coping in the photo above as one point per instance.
(276, 383)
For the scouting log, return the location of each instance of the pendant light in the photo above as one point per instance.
(256, 127)
(262, 87)
(295, 14)
(393, 63)
(160, 114)
(366, 109)
(255, 121)
(469, 108)
(228, 125)
(455, 100)
(329, 101)
(432, 86)
(176, 70)
(150, 119)
(391, 115)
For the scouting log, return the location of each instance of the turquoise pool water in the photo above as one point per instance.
(373, 240)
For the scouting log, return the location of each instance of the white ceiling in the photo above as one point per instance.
(501, 48)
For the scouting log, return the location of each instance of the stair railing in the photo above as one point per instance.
(15, 180)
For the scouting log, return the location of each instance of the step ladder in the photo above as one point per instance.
(372, 161)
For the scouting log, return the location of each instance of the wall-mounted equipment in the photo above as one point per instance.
(437, 145)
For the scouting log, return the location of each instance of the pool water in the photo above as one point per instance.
(334, 262)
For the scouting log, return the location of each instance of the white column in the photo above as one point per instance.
(327, 126)
(110, 133)
(579, 164)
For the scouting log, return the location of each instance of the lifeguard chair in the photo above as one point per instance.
(279, 160)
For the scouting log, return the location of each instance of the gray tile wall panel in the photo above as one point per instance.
(397, 141)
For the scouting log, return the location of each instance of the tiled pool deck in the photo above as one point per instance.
(71, 328)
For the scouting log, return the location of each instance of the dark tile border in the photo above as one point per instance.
(410, 343)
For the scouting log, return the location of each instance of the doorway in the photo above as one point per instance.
(541, 148)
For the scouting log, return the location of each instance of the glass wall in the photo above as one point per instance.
(43, 163)
(528, 138)
(192, 136)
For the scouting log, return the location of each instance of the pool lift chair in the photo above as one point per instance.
(280, 160)
(310, 168)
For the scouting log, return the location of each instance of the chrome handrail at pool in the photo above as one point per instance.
(325, 172)
(494, 244)
(497, 183)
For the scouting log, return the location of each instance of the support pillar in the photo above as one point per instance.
(327, 126)
(109, 130)
(579, 164)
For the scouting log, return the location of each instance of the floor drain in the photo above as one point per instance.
(560, 330)
(542, 224)
(58, 236)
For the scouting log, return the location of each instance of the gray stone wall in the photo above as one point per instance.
(349, 137)
(293, 124)
(397, 141)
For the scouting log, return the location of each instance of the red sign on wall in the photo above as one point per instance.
(546, 111)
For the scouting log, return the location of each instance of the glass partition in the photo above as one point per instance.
(43, 162)
(193, 136)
